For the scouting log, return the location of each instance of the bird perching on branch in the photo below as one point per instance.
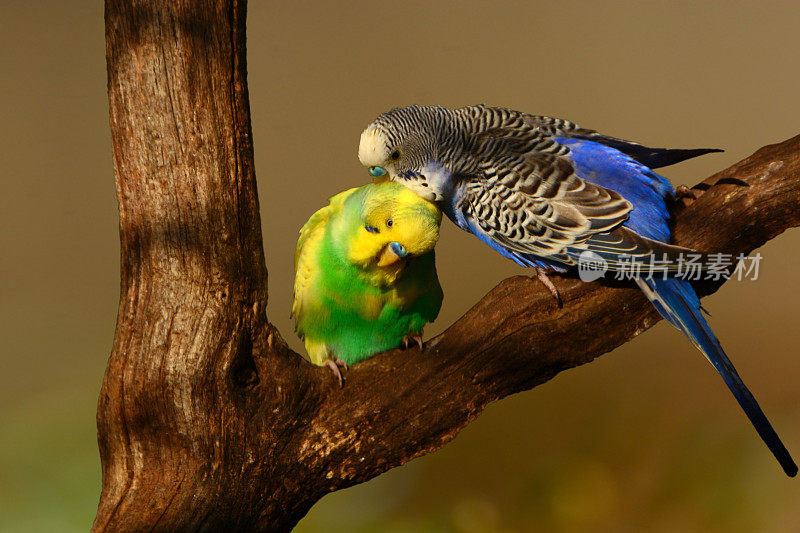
(546, 193)
(365, 274)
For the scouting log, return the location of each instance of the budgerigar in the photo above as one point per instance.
(542, 191)
(365, 274)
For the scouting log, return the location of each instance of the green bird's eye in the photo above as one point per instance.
(377, 171)
(371, 229)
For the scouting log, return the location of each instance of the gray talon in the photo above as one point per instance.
(334, 366)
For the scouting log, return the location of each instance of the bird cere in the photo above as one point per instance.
(542, 191)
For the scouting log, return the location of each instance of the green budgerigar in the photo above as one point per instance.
(365, 274)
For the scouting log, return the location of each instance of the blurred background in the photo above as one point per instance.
(645, 438)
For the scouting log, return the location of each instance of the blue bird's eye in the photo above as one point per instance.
(377, 171)
(371, 229)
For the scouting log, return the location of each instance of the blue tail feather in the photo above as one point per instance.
(677, 302)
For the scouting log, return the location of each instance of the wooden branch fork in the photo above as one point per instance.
(207, 420)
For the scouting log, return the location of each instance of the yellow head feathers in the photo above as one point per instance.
(393, 224)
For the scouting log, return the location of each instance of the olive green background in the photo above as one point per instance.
(645, 438)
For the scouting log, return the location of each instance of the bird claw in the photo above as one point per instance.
(334, 365)
(541, 275)
(413, 337)
(682, 191)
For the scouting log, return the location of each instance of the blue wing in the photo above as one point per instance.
(543, 209)
(646, 190)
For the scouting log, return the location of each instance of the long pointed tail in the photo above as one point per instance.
(677, 302)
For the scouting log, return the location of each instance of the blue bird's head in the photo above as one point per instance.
(401, 146)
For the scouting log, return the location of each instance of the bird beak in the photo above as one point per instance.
(393, 253)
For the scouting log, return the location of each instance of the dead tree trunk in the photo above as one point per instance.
(206, 419)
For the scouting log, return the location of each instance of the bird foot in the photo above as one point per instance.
(335, 365)
(413, 338)
(682, 191)
(541, 275)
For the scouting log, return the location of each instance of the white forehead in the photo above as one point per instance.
(372, 150)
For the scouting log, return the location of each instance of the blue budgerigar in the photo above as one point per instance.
(543, 191)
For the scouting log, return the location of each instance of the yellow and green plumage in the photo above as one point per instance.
(354, 296)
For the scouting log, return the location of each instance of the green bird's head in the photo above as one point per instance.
(384, 226)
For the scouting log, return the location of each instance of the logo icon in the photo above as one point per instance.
(591, 266)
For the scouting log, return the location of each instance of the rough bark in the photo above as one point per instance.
(206, 419)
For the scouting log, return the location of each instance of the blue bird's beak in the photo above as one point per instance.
(392, 254)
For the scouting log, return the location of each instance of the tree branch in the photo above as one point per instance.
(207, 420)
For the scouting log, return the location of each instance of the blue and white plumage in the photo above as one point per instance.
(541, 191)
